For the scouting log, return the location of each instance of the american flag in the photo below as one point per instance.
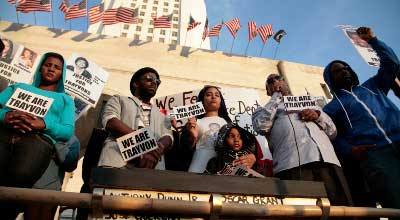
(252, 30)
(64, 6)
(76, 11)
(13, 1)
(192, 23)
(214, 32)
(163, 21)
(205, 31)
(96, 13)
(265, 31)
(233, 26)
(110, 16)
(127, 15)
(34, 5)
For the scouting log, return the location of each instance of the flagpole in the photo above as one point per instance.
(276, 50)
(170, 35)
(52, 16)
(87, 16)
(262, 49)
(70, 25)
(222, 23)
(184, 44)
(216, 45)
(201, 42)
(245, 53)
(16, 6)
(232, 44)
(34, 15)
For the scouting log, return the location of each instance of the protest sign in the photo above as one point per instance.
(240, 104)
(188, 111)
(240, 170)
(363, 48)
(29, 102)
(299, 103)
(17, 63)
(136, 143)
(85, 80)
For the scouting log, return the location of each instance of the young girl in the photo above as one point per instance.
(234, 145)
(201, 134)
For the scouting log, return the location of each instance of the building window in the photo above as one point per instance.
(140, 20)
(154, 8)
(174, 34)
(176, 12)
(156, 2)
(124, 34)
(143, 6)
(174, 42)
(176, 5)
(162, 32)
(326, 91)
(175, 18)
(142, 13)
(133, 5)
(161, 40)
(176, 0)
(138, 28)
(165, 10)
(174, 25)
(126, 26)
(136, 37)
(165, 3)
(144, 1)
(151, 22)
(149, 38)
(150, 30)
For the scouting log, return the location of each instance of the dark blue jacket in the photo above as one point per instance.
(366, 115)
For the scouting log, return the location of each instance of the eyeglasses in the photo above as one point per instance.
(149, 78)
(272, 80)
(340, 69)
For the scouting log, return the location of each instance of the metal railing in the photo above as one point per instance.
(212, 209)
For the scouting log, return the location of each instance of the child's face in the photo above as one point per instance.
(234, 140)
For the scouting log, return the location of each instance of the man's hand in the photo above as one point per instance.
(308, 115)
(150, 159)
(365, 33)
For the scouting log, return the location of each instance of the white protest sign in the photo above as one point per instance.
(299, 103)
(17, 63)
(136, 143)
(363, 48)
(241, 170)
(188, 111)
(29, 102)
(84, 79)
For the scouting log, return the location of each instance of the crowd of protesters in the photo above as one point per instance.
(360, 127)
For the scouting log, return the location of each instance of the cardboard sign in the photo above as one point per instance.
(363, 48)
(29, 102)
(17, 63)
(188, 111)
(241, 170)
(85, 79)
(298, 103)
(136, 143)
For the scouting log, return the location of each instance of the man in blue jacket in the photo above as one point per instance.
(368, 123)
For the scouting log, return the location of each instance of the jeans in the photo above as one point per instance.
(23, 157)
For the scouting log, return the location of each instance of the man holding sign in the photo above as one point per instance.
(125, 115)
(299, 140)
(34, 117)
(368, 122)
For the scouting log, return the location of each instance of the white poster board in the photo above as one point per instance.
(17, 63)
(136, 143)
(29, 102)
(363, 48)
(187, 111)
(299, 103)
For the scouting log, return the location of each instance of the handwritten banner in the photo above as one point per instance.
(188, 111)
(29, 102)
(136, 143)
(298, 103)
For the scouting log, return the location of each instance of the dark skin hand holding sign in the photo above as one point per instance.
(24, 122)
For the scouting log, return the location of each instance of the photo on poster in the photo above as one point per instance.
(85, 79)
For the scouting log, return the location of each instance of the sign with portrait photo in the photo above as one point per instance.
(363, 48)
(17, 63)
(85, 79)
